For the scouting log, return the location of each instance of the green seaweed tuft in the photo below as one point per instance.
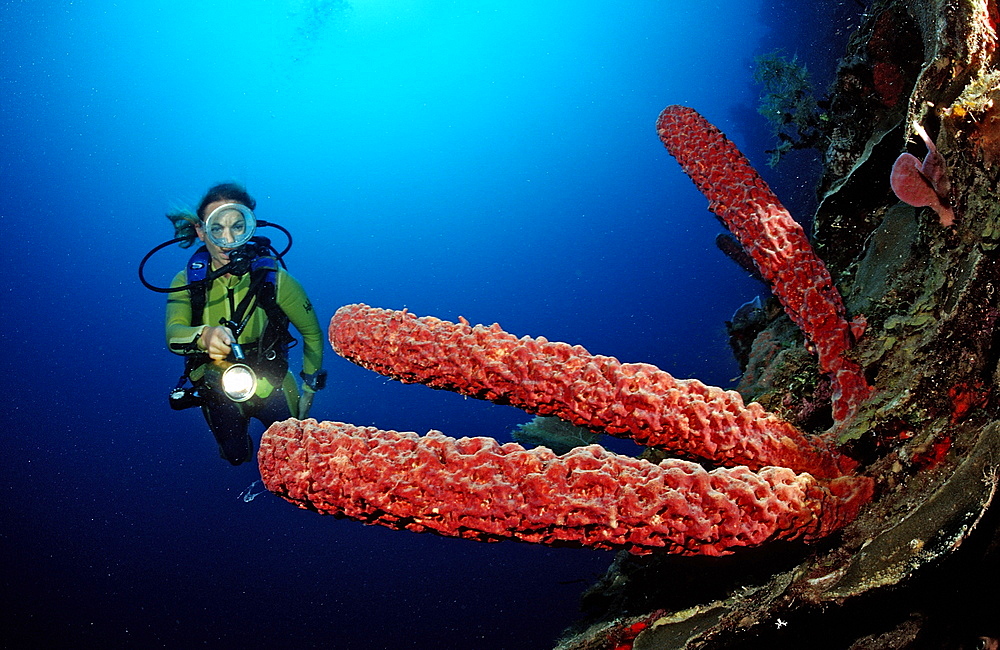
(558, 435)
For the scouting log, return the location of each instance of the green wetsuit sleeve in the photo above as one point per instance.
(295, 303)
(182, 337)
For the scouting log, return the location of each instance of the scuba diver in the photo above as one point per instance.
(228, 314)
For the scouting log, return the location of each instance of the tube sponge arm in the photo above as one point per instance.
(777, 243)
(635, 400)
(478, 489)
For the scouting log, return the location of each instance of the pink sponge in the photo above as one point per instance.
(923, 184)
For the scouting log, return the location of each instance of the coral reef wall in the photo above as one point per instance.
(907, 572)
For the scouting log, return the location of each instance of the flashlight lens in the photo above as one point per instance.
(239, 382)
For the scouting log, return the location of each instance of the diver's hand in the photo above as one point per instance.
(217, 341)
(305, 403)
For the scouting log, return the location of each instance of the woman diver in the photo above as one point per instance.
(228, 313)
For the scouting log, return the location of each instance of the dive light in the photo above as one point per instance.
(237, 381)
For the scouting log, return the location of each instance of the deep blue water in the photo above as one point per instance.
(495, 160)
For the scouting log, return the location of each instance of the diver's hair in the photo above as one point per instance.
(184, 222)
(229, 192)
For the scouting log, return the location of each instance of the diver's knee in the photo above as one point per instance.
(237, 453)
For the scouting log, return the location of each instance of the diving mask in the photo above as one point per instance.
(230, 225)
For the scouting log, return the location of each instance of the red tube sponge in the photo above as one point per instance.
(775, 241)
(479, 489)
(636, 400)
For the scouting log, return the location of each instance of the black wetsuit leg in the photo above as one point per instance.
(229, 425)
(229, 422)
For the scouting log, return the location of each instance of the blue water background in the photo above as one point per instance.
(494, 160)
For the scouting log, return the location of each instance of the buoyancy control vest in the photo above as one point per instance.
(269, 354)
